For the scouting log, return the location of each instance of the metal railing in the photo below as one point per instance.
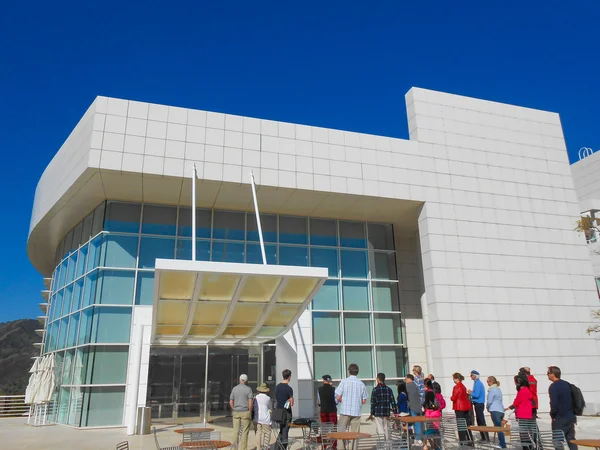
(13, 406)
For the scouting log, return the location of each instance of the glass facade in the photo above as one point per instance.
(105, 265)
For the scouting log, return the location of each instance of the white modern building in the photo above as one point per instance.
(587, 186)
(454, 250)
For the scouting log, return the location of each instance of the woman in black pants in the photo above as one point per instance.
(461, 406)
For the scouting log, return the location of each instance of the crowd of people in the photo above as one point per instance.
(417, 395)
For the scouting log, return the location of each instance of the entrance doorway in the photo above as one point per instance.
(176, 378)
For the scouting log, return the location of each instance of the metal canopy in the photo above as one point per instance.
(200, 303)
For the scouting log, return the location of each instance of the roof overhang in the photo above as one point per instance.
(200, 302)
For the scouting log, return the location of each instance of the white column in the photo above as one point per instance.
(137, 367)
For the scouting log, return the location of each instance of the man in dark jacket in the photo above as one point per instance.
(561, 405)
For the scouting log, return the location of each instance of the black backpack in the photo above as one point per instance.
(577, 400)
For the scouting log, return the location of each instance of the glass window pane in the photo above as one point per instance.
(77, 236)
(63, 405)
(385, 296)
(57, 304)
(203, 222)
(323, 232)
(85, 326)
(98, 222)
(87, 228)
(111, 324)
(123, 217)
(66, 309)
(115, 287)
(355, 295)
(75, 407)
(324, 257)
(388, 329)
(68, 242)
(73, 328)
(67, 367)
(363, 356)
(144, 291)
(103, 406)
(352, 234)
(326, 328)
(354, 264)
(153, 248)
(77, 295)
(62, 335)
(254, 255)
(392, 361)
(293, 230)
(72, 267)
(159, 220)
(184, 249)
(82, 260)
(119, 251)
(381, 236)
(293, 256)
(229, 225)
(108, 363)
(95, 249)
(328, 360)
(383, 265)
(89, 293)
(80, 365)
(228, 252)
(366, 408)
(328, 296)
(63, 272)
(268, 223)
(357, 328)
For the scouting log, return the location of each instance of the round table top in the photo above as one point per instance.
(586, 442)
(205, 444)
(347, 435)
(486, 429)
(193, 430)
(299, 425)
(410, 419)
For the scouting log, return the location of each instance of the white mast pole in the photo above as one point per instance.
(194, 212)
(260, 235)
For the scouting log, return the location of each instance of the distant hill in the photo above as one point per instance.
(16, 349)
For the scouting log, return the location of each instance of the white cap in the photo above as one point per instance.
(243, 377)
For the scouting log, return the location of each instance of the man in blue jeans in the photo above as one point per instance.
(414, 404)
(478, 400)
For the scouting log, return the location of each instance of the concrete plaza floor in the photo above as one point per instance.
(15, 434)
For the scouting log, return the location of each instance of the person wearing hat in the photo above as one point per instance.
(327, 402)
(478, 399)
(262, 415)
(240, 401)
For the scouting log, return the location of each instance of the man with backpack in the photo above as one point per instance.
(561, 406)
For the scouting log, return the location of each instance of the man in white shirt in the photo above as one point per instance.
(262, 416)
(351, 395)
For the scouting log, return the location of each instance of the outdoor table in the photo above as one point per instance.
(193, 430)
(410, 419)
(487, 429)
(206, 445)
(595, 443)
(347, 435)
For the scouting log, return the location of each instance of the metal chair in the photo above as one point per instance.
(123, 445)
(158, 447)
(371, 443)
(552, 439)
(325, 429)
(278, 443)
(527, 432)
(265, 442)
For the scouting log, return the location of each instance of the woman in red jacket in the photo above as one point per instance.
(523, 406)
(461, 406)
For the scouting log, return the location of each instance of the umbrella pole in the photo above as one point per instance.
(205, 385)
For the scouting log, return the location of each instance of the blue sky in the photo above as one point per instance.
(328, 63)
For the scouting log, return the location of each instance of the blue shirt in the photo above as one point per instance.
(402, 402)
(494, 400)
(421, 385)
(352, 392)
(478, 394)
